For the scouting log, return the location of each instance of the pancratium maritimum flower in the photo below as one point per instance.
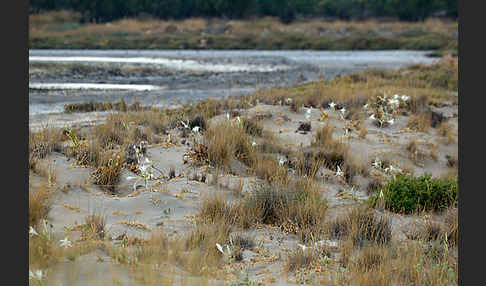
(377, 163)
(339, 173)
(65, 243)
(32, 231)
(332, 105)
(36, 274)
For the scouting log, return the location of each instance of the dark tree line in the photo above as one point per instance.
(287, 10)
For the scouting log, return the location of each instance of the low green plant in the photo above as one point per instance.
(407, 194)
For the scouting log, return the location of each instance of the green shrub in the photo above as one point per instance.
(406, 194)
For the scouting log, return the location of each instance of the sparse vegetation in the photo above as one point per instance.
(290, 190)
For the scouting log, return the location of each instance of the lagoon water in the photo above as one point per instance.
(184, 76)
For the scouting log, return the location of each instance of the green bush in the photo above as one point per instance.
(406, 194)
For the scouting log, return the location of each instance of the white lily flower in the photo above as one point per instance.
(238, 119)
(396, 96)
(65, 243)
(253, 144)
(185, 125)
(365, 106)
(343, 110)
(32, 231)
(339, 173)
(377, 163)
(143, 168)
(37, 274)
(332, 105)
(288, 100)
(392, 169)
(227, 115)
(372, 117)
(381, 193)
(391, 121)
(282, 161)
(196, 129)
(303, 247)
(220, 248)
(393, 102)
(405, 97)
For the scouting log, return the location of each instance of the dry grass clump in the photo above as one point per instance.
(375, 184)
(416, 154)
(94, 227)
(296, 207)
(420, 122)
(226, 141)
(447, 133)
(406, 264)
(201, 244)
(39, 204)
(267, 168)
(112, 133)
(215, 209)
(369, 258)
(44, 142)
(107, 174)
(300, 259)
(252, 127)
(361, 226)
(418, 104)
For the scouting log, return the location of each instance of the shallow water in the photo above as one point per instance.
(172, 77)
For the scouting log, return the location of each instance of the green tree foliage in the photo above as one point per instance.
(287, 10)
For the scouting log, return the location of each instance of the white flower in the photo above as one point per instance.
(303, 247)
(381, 193)
(37, 274)
(65, 243)
(393, 102)
(372, 117)
(343, 110)
(332, 105)
(220, 248)
(238, 119)
(288, 100)
(365, 106)
(339, 173)
(253, 144)
(196, 129)
(377, 163)
(185, 125)
(227, 115)
(396, 96)
(32, 231)
(143, 168)
(395, 169)
(405, 97)
(282, 161)
(391, 121)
